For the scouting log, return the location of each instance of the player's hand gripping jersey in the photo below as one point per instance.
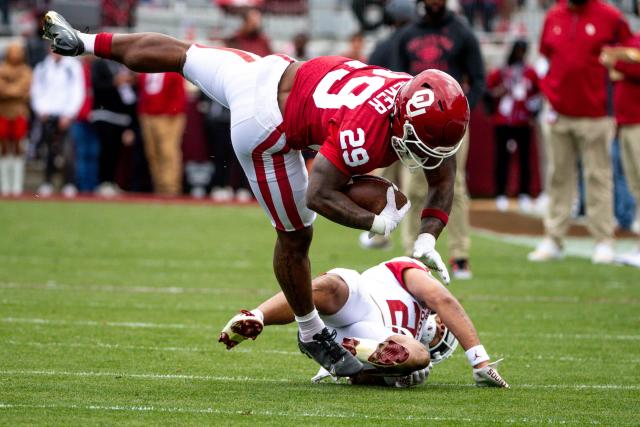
(342, 108)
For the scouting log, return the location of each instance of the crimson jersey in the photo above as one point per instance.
(342, 108)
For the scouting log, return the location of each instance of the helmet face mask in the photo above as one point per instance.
(429, 120)
(415, 154)
(438, 339)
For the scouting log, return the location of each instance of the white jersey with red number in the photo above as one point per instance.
(386, 286)
(379, 304)
(342, 108)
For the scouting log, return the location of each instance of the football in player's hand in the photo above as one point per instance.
(370, 192)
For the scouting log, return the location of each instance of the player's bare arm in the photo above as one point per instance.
(324, 196)
(428, 291)
(440, 195)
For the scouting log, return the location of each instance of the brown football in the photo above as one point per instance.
(370, 192)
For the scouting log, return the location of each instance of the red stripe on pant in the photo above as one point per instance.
(241, 53)
(261, 176)
(285, 191)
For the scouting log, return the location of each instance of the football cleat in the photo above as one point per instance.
(244, 325)
(330, 355)
(64, 38)
(383, 355)
(489, 376)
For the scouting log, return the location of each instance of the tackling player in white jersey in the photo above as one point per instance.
(386, 318)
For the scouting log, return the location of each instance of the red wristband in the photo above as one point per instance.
(435, 213)
(102, 46)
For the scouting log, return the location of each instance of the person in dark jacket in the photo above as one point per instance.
(444, 41)
(385, 52)
(113, 116)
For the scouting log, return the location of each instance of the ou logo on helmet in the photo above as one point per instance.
(419, 102)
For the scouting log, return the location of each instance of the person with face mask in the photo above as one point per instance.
(576, 86)
(444, 41)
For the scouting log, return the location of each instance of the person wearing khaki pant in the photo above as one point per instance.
(624, 66)
(575, 84)
(588, 139)
(414, 186)
(162, 107)
(162, 144)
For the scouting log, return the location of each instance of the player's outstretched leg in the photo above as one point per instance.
(244, 325)
(396, 355)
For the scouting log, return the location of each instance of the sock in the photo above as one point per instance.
(309, 325)
(18, 175)
(97, 44)
(89, 41)
(258, 313)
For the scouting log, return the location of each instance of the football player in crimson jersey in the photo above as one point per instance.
(359, 117)
(385, 316)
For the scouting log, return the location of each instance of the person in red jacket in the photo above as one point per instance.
(624, 64)
(573, 36)
(515, 94)
(162, 107)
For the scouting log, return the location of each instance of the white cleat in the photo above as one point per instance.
(603, 253)
(547, 250)
(630, 259)
(244, 325)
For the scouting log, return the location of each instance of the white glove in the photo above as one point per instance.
(489, 376)
(413, 379)
(425, 249)
(390, 217)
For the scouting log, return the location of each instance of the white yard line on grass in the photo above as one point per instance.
(108, 346)
(228, 379)
(52, 286)
(56, 322)
(286, 414)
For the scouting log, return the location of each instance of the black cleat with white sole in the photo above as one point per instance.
(330, 355)
(64, 38)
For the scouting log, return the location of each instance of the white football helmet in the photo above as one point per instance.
(438, 339)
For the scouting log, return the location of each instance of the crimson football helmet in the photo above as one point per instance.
(430, 117)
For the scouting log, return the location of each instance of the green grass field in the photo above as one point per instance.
(108, 314)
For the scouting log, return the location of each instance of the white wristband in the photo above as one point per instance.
(477, 355)
(89, 42)
(379, 225)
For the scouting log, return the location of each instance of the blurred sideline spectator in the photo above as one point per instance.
(356, 48)
(119, 13)
(576, 88)
(113, 117)
(486, 8)
(385, 52)
(300, 45)
(57, 93)
(515, 94)
(444, 41)
(250, 36)
(36, 48)
(161, 107)
(625, 69)
(15, 83)
(5, 10)
(85, 139)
